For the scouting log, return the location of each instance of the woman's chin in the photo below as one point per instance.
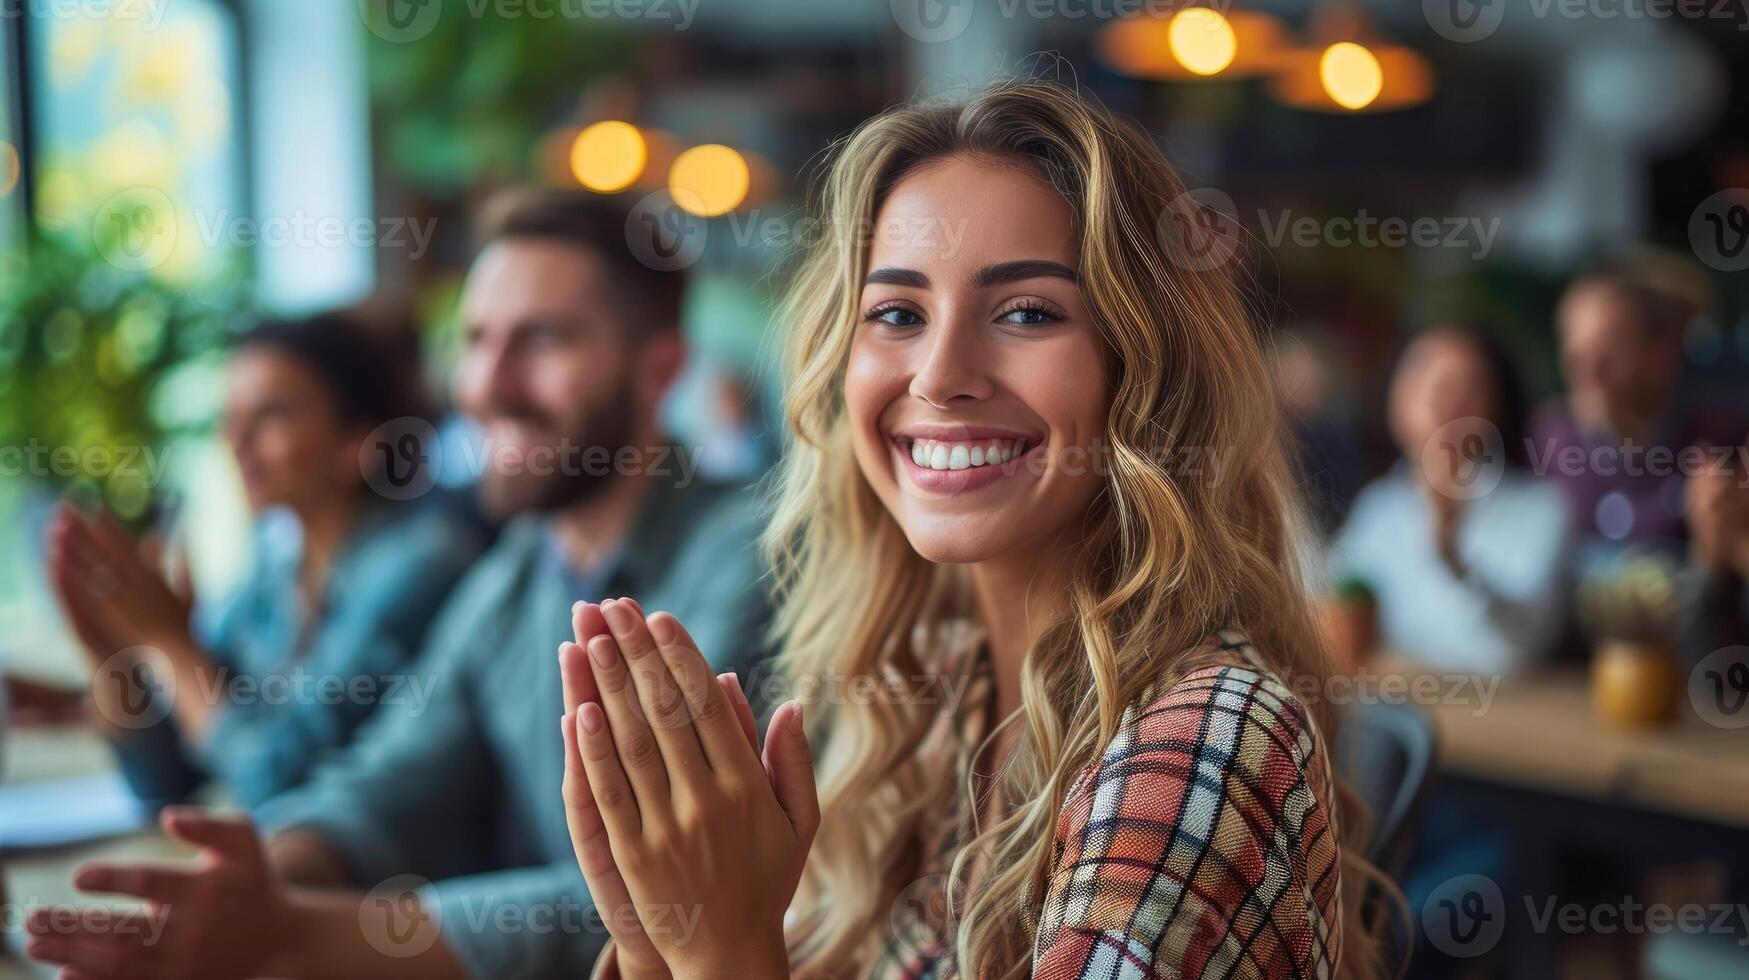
(955, 545)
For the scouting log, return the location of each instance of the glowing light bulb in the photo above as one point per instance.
(1202, 40)
(709, 180)
(1351, 74)
(608, 156)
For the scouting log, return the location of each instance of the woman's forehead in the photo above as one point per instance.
(971, 213)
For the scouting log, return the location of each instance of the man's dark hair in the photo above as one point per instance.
(647, 299)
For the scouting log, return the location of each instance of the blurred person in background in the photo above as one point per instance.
(1465, 577)
(1621, 342)
(1331, 463)
(733, 442)
(1717, 508)
(341, 588)
(452, 804)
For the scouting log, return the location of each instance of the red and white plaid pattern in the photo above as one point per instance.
(1199, 846)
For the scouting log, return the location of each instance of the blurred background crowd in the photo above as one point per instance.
(1497, 249)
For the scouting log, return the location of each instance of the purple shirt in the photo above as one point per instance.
(1623, 492)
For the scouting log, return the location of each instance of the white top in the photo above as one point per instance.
(1516, 543)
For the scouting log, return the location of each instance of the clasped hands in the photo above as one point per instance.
(691, 839)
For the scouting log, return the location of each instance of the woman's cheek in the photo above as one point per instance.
(870, 385)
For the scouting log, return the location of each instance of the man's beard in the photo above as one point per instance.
(584, 466)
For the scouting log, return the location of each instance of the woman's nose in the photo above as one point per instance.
(955, 363)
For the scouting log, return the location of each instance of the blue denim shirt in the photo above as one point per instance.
(296, 681)
(463, 790)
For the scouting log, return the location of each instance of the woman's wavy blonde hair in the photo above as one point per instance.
(1171, 555)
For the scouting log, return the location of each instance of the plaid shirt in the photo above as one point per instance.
(1200, 845)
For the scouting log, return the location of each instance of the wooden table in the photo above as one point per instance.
(1541, 733)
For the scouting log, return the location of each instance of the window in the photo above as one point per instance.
(135, 138)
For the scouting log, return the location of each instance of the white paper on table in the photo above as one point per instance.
(53, 812)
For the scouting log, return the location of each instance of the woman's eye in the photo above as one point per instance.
(1029, 316)
(896, 316)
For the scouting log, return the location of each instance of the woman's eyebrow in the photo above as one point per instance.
(1006, 272)
(890, 276)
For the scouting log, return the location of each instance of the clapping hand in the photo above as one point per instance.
(698, 826)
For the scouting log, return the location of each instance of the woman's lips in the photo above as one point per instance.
(950, 482)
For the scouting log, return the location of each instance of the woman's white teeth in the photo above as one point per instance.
(935, 455)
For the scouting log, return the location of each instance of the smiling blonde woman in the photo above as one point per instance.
(1035, 456)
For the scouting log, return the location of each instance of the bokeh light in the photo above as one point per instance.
(709, 180)
(1202, 40)
(608, 156)
(1351, 74)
